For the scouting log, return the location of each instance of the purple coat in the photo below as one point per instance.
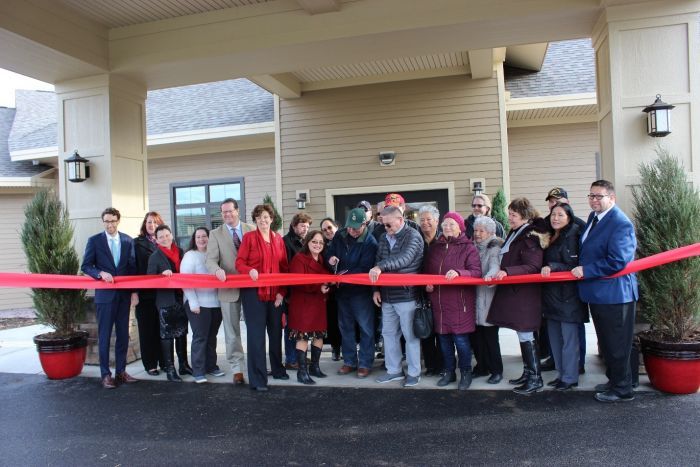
(454, 307)
(519, 306)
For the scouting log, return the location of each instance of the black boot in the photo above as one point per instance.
(523, 377)
(534, 381)
(447, 378)
(466, 380)
(315, 369)
(303, 371)
(181, 349)
(166, 346)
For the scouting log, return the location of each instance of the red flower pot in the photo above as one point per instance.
(672, 367)
(62, 357)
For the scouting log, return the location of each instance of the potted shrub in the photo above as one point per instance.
(667, 216)
(47, 240)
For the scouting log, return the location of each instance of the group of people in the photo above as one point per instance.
(466, 318)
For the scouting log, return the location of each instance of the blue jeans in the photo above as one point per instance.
(448, 342)
(290, 345)
(357, 308)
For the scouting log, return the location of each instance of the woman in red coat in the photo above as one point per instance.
(454, 306)
(307, 307)
(519, 306)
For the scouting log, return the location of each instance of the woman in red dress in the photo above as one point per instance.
(307, 307)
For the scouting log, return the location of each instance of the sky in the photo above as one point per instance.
(10, 81)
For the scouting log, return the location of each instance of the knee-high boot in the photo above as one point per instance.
(315, 369)
(166, 346)
(303, 371)
(181, 349)
(534, 380)
(523, 377)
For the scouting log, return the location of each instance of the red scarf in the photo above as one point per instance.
(271, 254)
(173, 254)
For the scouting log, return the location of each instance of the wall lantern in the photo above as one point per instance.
(77, 168)
(658, 117)
(302, 198)
(477, 188)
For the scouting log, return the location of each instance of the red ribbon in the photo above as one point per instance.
(239, 281)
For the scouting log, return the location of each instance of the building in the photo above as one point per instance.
(460, 91)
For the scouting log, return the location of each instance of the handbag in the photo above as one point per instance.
(423, 319)
(173, 320)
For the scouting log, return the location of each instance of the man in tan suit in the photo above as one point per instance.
(222, 251)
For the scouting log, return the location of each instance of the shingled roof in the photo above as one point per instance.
(7, 167)
(569, 68)
(35, 120)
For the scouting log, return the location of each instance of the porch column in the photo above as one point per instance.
(103, 117)
(643, 50)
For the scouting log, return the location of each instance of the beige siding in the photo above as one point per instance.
(257, 167)
(543, 157)
(12, 258)
(442, 130)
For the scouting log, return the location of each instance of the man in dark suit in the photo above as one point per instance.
(607, 246)
(109, 254)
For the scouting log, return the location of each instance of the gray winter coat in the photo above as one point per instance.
(490, 265)
(405, 258)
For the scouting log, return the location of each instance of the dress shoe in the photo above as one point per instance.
(172, 375)
(335, 355)
(554, 382)
(185, 369)
(562, 386)
(363, 372)
(108, 382)
(346, 370)
(125, 378)
(602, 387)
(610, 396)
(547, 365)
(291, 366)
(282, 376)
(238, 379)
(153, 372)
(495, 378)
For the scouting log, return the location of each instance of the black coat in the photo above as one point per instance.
(158, 263)
(560, 300)
(144, 249)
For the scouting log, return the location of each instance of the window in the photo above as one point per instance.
(196, 204)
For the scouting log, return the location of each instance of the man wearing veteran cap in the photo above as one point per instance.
(353, 250)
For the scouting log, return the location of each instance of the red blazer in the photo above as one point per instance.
(250, 256)
(307, 304)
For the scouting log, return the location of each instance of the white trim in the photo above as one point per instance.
(35, 181)
(389, 77)
(210, 133)
(34, 154)
(331, 192)
(278, 157)
(503, 123)
(548, 102)
(552, 121)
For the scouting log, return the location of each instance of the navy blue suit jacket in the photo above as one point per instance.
(608, 248)
(98, 257)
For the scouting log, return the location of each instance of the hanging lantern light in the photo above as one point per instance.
(77, 168)
(658, 118)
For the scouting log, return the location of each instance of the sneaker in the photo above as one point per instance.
(390, 377)
(216, 372)
(411, 381)
(200, 379)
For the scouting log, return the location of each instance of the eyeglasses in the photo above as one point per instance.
(593, 196)
(111, 222)
(477, 205)
(316, 242)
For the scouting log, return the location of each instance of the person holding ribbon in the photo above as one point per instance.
(453, 255)
(519, 306)
(561, 306)
(166, 260)
(203, 310)
(262, 251)
(307, 307)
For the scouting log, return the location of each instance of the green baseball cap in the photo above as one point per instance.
(356, 218)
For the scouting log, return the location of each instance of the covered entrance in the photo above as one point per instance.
(414, 200)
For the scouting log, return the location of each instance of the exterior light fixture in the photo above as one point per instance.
(77, 168)
(477, 188)
(302, 199)
(658, 118)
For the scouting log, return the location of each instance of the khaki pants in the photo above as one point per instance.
(231, 313)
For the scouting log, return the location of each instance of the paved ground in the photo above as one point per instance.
(75, 422)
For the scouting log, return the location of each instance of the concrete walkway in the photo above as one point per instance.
(18, 355)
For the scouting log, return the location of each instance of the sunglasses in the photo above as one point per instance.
(328, 229)
(477, 205)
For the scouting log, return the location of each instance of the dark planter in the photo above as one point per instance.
(672, 367)
(62, 357)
